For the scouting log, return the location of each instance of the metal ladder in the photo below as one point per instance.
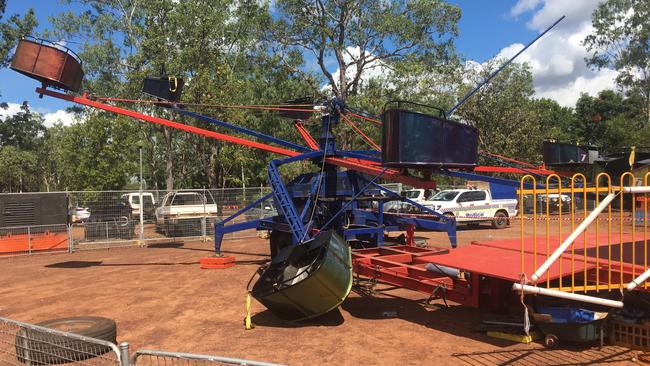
(285, 202)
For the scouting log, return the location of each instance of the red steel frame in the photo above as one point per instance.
(404, 266)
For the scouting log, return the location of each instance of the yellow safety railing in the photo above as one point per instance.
(595, 262)
(646, 218)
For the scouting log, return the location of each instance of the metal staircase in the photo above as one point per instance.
(285, 203)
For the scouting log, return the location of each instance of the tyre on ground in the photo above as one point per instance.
(37, 347)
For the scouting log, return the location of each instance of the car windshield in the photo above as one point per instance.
(187, 199)
(146, 198)
(412, 194)
(445, 196)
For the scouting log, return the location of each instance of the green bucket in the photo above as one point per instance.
(307, 280)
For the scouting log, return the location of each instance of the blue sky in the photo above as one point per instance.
(487, 29)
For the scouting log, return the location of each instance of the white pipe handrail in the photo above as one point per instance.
(565, 245)
(566, 295)
(637, 189)
(639, 280)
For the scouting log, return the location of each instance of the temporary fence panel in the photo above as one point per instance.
(185, 214)
(612, 250)
(26, 344)
(156, 358)
(34, 239)
(124, 218)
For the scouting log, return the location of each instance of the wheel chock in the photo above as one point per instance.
(217, 262)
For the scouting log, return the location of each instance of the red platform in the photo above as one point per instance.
(497, 260)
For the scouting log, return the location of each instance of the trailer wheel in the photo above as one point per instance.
(35, 347)
(551, 341)
(500, 220)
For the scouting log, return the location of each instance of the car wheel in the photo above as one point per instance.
(500, 220)
(35, 347)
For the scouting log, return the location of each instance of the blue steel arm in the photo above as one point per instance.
(244, 130)
(282, 197)
(352, 154)
(367, 152)
(220, 229)
(249, 207)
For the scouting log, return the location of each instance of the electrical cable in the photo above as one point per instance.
(270, 107)
(320, 182)
(365, 137)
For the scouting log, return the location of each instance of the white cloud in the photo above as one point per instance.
(568, 94)
(13, 109)
(61, 116)
(524, 6)
(49, 118)
(557, 60)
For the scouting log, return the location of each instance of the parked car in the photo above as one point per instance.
(183, 212)
(110, 219)
(78, 214)
(553, 203)
(473, 206)
(267, 209)
(149, 212)
(400, 207)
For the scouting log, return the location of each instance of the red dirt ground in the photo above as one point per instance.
(162, 300)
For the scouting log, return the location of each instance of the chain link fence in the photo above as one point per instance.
(27, 344)
(156, 358)
(24, 344)
(109, 219)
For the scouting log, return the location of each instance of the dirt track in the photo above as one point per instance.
(162, 300)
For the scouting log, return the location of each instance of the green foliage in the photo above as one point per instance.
(503, 113)
(19, 168)
(22, 130)
(366, 34)
(99, 154)
(620, 40)
(609, 120)
(12, 30)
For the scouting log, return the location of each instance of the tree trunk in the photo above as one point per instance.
(213, 166)
(169, 161)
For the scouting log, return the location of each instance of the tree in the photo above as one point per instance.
(363, 34)
(19, 171)
(22, 130)
(502, 111)
(609, 121)
(12, 30)
(217, 46)
(98, 154)
(621, 40)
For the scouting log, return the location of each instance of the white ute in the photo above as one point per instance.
(184, 210)
(473, 206)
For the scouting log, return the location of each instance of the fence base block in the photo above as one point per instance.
(217, 262)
